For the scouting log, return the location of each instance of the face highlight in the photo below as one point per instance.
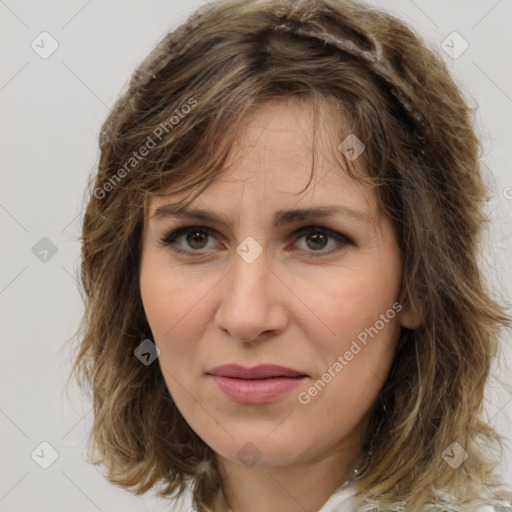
(254, 274)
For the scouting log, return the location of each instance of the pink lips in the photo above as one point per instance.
(257, 385)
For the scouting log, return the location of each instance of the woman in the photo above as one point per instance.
(284, 305)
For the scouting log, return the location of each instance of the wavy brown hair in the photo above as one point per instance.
(422, 156)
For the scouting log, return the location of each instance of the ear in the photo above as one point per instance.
(409, 317)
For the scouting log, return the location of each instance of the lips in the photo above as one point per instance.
(258, 385)
(263, 371)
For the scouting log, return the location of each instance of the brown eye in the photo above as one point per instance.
(189, 239)
(197, 239)
(316, 241)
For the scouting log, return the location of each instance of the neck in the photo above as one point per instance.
(294, 488)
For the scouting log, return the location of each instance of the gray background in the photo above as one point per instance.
(52, 109)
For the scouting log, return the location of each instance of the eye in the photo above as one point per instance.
(317, 239)
(195, 239)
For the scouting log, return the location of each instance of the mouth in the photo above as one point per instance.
(257, 385)
(263, 371)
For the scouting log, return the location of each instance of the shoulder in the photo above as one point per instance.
(485, 508)
(345, 499)
(503, 507)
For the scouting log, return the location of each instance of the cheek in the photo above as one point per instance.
(360, 315)
(178, 308)
(168, 297)
(171, 306)
(355, 361)
(355, 299)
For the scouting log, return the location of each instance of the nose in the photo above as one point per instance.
(251, 304)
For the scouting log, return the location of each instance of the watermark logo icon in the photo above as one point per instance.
(44, 45)
(249, 249)
(249, 455)
(454, 45)
(44, 250)
(454, 455)
(44, 455)
(352, 147)
(147, 352)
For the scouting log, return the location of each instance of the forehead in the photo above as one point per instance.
(272, 158)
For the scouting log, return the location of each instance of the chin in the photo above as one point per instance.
(255, 447)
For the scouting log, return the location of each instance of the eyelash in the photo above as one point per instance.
(170, 238)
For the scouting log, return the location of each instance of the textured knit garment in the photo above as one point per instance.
(344, 500)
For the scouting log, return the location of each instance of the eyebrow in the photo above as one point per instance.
(281, 218)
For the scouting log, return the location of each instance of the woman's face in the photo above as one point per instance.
(267, 283)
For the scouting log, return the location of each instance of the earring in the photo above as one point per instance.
(360, 469)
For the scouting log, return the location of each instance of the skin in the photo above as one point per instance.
(298, 304)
